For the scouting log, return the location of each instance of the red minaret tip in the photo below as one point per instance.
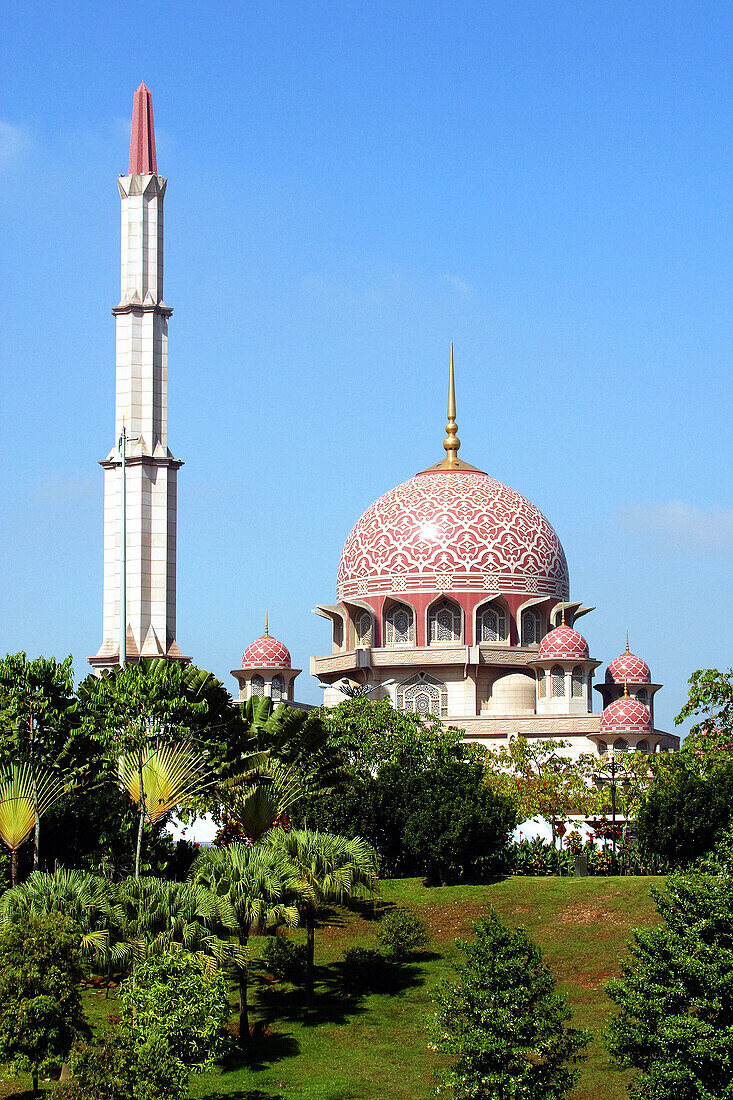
(142, 141)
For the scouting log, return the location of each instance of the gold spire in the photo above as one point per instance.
(626, 687)
(267, 627)
(451, 443)
(562, 613)
(627, 641)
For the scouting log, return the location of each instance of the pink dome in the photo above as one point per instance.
(563, 643)
(626, 715)
(628, 668)
(266, 652)
(449, 529)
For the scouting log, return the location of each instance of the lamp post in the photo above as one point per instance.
(612, 777)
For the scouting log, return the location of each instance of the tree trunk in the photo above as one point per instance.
(142, 814)
(35, 1082)
(310, 966)
(13, 866)
(34, 794)
(243, 1008)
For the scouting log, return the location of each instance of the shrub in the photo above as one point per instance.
(364, 969)
(286, 960)
(40, 1008)
(115, 1069)
(685, 811)
(502, 1019)
(401, 932)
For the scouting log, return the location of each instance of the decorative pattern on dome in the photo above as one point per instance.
(626, 715)
(463, 527)
(266, 652)
(628, 668)
(563, 643)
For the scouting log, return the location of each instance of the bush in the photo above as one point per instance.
(685, 811)
(40, 1008)
(401, 932)
(286, 960)
(502, 1019)
(115, 1069)
(364, 969)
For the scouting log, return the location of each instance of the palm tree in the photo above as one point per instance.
(261, 797)
(27, 791)
(328, 870)
(254, 881)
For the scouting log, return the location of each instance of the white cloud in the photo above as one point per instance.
(458, 284)
(14, 141)
(681, 526)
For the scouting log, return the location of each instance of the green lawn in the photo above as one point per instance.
(363, 1048)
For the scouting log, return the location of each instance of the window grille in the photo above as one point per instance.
(258, 686)
(531, 632)
(400, 626)
(577, 683)
(602, 748)
(620, 745)
(643, 746)
(557, 683)
(445, 622)
(492, 625)
(423, 695)
(643, 697)
(542, 686)
(278, 685)
(364, 629)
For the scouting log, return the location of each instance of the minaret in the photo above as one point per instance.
(147, 508)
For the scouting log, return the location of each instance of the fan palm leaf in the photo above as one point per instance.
(260, 797)
(17, 816)
(171, 774)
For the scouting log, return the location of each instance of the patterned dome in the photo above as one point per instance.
(628, 668)
(449, 529)
(266, 652)
(563, 643)
(626, 715)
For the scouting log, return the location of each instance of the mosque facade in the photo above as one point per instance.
(452, 591)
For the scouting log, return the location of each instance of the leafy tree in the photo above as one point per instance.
(327, 870)
(503, 1021)
(40, 1007)
(112, 1068)
(39, 724)
(259, 799)
(675, 995)
(685, 810)
(710, 696)
(134, 711)
(255, 882)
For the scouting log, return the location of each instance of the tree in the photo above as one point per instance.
(134, 711)
(710, 696)
(254, 881)
(27, 791)
(503, 1021)
(675, 995)
(328, 870)
(40, 1006)
(39, 724)
(685, 810)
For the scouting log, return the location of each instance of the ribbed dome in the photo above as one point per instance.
(452, 530)
(266, 652)
(563, 643)
(628, 668)
(626, 715)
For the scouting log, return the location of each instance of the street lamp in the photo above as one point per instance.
(613, 777)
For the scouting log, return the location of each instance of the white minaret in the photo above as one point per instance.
(147, 509)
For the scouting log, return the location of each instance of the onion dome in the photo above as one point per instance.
(626, 715)
(563, 644)
(266, 652)
(628, 668)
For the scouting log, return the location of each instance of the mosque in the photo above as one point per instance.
(452, 592)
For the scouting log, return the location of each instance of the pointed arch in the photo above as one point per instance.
(578, 682)
(399, 623)
(364, 628)
(258, 686)
(492, 623)
(445, 622)
(423, 694)
(557, 682)
(277, 689)
(531, 626)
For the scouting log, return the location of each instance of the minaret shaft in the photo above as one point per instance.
(141, 405)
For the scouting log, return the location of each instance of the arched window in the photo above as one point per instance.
(400, 625)
(602, 748)
(577, 683)
(258, 686)
(620, 745)
(643, 697)
(542, 681)
(278, 685)
(531, 629)
(643, 746)
(423, 695)
(557, 683)
(363, 624)
(444, 622)
(491, 624)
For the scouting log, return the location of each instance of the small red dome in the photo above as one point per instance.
(563, 643)
(266, 652)
(628, 668)
(626, 715)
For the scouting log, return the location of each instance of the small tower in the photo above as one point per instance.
(266, 670)
(140, 511)
(629, 674)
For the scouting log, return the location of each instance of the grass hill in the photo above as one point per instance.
(351, 1047)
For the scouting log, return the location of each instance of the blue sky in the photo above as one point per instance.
(352, 186)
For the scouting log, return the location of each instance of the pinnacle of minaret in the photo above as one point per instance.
(142, 140)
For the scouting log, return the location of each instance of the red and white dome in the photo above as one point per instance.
(449, 529)
(563, 644)
(266, 652)
(628, 668)
(626, 715)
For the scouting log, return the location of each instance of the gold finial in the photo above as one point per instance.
(562, 613)
(451, 443)
(626, 687)
(267, 627)
(627, 641)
